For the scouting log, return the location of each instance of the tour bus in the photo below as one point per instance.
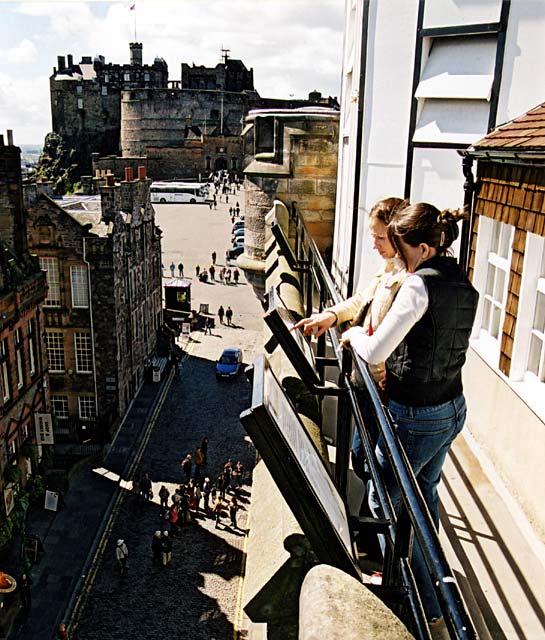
(179, 192)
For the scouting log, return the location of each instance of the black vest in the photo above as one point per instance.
(426, 368)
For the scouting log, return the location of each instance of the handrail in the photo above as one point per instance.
(455, 613)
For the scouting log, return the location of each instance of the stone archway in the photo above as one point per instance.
(220, 164)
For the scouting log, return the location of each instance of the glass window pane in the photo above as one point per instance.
(490, 280)
(499, 285)
(505, 246)
(495, 238)
(486, 314)
(534, 354)
(495, 324)
(539, 315)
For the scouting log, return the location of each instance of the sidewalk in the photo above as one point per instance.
(69, 536)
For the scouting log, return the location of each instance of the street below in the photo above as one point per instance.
(198, 595)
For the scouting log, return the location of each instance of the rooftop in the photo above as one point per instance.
(526, 132)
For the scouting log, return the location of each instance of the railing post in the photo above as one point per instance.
(344, 423)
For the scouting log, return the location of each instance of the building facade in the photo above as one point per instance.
(23, 366)
(407, 113)
(103, 262)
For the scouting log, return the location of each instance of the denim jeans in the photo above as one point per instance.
(426, 434)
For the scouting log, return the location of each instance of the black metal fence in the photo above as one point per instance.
(412, 518)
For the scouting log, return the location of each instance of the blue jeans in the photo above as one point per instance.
(426, 434)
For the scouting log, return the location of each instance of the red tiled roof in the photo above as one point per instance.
(525, 132)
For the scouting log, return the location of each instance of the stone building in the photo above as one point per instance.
(86, 100)
(103, 309)
(290, 156)
(185, 127)
(23, 369)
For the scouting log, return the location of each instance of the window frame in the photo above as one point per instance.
(90, 402)
(53, 278)
(57, 399)
(83, 356)
(59, 336)
(4, 371)
(77, 288)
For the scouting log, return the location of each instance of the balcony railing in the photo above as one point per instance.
(412, 517)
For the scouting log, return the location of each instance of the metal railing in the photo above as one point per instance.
(412, 517)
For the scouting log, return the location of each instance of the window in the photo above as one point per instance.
(104, 90)
(51, 266)
(12, 448)
(24, 432)
(79, 89)
(31, 347)
(535, 359)
(4, 371)
(455, 88)
(60, 407)
(265, 130)
(80, 103)
(20, 373)
(79, 284)
(492, 267)
(86, 407)
(146, 77)
(54, 342)
(106, 77)
(84, 352)
(234, 163)
(127, 77)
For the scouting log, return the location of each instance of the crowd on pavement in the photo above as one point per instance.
(195, 496)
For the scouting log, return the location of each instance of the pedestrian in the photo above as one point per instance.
(166, 549)
(207, 326)
(204, 450)
(121, 555)
(233, 508)
(172, 269)
(181, 270)
(221, 484)
(236, 275)
(227, 470)
(197, 271)
(62, 633)
(24, 592)
(164, 495)
(222, 274)
(198, 496)
(215, 202)
(226, 198)
(212, 272)
(214, 257)
(240, 472)
(156, 547)
(228, 276)
(186, 465)
(231, 211)
(221, 313)
(233, 219)
(229, 316)
(173, 514)
(218, 511)
(237, 211)
(206, 489)
(146, 488)
(199, 462)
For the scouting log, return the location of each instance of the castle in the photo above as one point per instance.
(183, 127)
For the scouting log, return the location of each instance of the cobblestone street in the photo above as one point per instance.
(197, 596)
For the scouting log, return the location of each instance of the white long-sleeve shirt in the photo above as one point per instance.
(408, 307)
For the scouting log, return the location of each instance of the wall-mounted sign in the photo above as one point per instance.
(186, 328)
(44, 428)
(9, 501)
(298, 470)
(51, 500)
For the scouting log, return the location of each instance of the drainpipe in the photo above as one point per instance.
(467, 225)
(92, 325)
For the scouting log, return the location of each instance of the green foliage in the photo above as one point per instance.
(12, 473)
(6, 531)
(35, 487)
(56, 165)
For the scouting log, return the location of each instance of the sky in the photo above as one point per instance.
(294, 46)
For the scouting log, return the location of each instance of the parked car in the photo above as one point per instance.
(233, 254)
(239, 224)
(238, 242)
(239, 233)
(230, 363)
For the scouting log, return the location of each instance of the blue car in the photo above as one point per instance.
(230, 363)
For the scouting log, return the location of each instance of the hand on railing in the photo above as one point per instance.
(317, 324)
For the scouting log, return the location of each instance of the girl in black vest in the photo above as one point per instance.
(423, 339)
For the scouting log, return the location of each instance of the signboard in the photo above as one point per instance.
(44, 428)
(157, 375)
(51, 500)
(298, 470)
(9, 501)
(186, 328)
(294, 344)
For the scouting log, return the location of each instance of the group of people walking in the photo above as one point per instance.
(227, 314)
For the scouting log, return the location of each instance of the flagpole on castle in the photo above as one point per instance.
(133, 9)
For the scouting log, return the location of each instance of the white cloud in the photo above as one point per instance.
(24, 53)
(294, 46)
(24, 107)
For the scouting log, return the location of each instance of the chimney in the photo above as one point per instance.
(12, 213)
(61, 63)
(128, 174)
(142, 172)
(70, 61)
(110, 180)
(10, 137)
(109, 197)
(136, 53)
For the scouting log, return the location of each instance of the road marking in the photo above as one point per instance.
(99, 552)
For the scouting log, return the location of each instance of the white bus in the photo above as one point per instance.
(179, 192)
